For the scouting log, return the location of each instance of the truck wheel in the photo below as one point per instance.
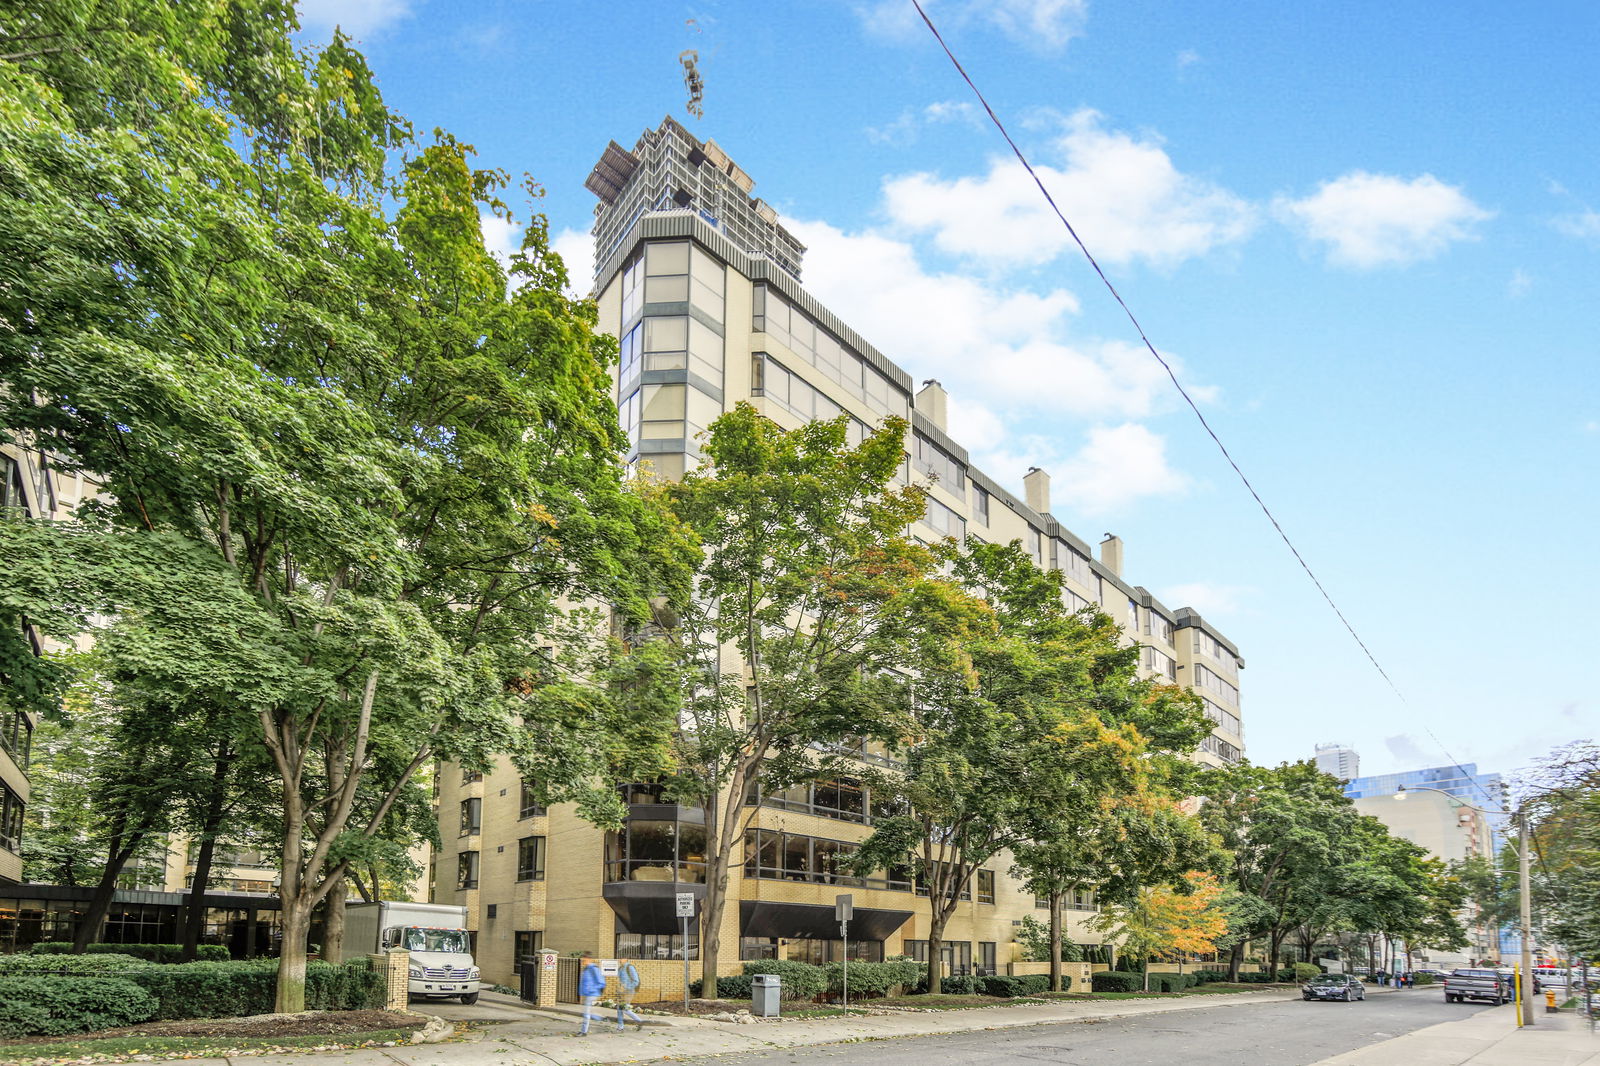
(469, 999)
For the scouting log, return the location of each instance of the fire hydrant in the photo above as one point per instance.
(1549, 1001)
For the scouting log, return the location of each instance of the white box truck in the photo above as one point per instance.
(434, 933)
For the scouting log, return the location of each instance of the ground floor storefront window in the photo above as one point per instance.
(822, 952)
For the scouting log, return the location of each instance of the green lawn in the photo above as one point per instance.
(123, 1047)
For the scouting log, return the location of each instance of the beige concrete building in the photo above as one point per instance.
(1450, 830)
(31, 487)
(700, 284)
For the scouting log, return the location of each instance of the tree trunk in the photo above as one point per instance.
(1055, 941)
(935, 952)
(296, 917)
(1235, 957)
(719, 857)
(216, 800)
(194, 914)
(333, 937)
(118, 851)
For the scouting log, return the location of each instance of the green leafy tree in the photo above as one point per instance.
(352, 481)
(1167, 922)
(803, 560)
(1013, 714)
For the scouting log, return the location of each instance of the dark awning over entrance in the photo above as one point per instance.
(650, 906)
(807, 921)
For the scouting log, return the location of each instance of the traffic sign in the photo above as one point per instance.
(685, 905)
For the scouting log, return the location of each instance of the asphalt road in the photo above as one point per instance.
(1274, 1033)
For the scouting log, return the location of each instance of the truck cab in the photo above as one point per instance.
(441, 961)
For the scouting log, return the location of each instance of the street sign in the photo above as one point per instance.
(843, 904)
(685, 905)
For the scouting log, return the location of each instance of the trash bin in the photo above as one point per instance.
(765, 990)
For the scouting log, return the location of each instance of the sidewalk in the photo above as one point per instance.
(542, 1038)
(1488, 1038)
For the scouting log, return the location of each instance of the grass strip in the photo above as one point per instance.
(120, 1048)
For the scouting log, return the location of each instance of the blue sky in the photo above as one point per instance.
(1366, 233)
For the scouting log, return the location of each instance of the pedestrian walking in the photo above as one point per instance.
(591, 986)
(628, 978)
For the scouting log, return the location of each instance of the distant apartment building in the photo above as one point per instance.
(30, 487)
(700, 284)
(1339, 760)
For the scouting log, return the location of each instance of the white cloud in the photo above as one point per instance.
(576, 248)
(1208, 597)
(1187, 58)
(1123, 195)
(1372, 220)
(501, 237)
(355, 17)
(1115, 467)
(1023, 389)
(1591, 426)
(1042, 24)
(1584, 225)
(1521, 281)
(908, 125)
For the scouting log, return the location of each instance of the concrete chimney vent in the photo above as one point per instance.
(933, 402)
(1111, 553)
(1036, 490)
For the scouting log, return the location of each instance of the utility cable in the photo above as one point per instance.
(1023, 159)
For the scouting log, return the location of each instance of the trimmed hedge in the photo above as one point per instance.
(1305, 971)
(58, 1006)
(800, 980)
(88, 965)
(1112, 981)
(1202, 977)
(869, 979)
(161, 953)
(736, 987)
(1010, 987)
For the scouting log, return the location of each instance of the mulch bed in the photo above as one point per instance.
(696, 1006)
(260, 1026)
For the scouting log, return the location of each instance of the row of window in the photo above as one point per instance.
(1160, 663)
(674, 272)
(1224, 718)
(656, 850)
(938, 464)
(11, 813)
(943, 520)
(792, 328)
(1207, 645)
(675, 343)
(666, 412)
(472, 810)
(16, 736)
(530, 863)
(1079, 899)
(795, 394)
(1209, 680)
(1220, 748)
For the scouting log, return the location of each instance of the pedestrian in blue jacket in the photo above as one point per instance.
(591, 986)
(628, 978)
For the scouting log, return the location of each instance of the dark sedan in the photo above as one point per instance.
(1333, 986)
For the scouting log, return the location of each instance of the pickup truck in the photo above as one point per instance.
(1492, 985)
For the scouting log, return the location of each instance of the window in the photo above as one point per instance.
(666, 273)
(11, 811)
(656, 850)
(943, 520)
(1160, 663)
(527, 942)
(1209, 680)
(938, 464)
(986, 886)
(530, 859)
(955, 955)
(656, 945)
(12, 493)
(986, 957)
(1220, 748)
(758, 947)
(1133, 615)
(16, 736)
(530, 806)
(471, 816)
(790, 327)
(470, 776)
(980, 504)
(467, 870)
(1157, 626)
(775, 855)
(1226, 720)
(1036, 547)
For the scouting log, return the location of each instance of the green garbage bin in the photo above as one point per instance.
(765, 991)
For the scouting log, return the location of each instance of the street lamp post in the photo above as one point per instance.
(1523, 892)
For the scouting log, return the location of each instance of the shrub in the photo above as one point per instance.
(88, 965)
(1305, 971)
(162, 953)
(1422, 978)
(1009, 987)
(1112, 981)
(1205, 976)
(800, 980)
(57, 1006)
(873, 978)
(735, 987)
(1255, 978)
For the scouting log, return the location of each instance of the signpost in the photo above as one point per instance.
(843, 907)
(685, 912)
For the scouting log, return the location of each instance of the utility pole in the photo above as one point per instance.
(1524, 849)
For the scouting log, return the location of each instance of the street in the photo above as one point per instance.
(1275, 1033)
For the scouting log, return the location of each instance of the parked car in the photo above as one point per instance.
(1333, 986)
(1492, 985)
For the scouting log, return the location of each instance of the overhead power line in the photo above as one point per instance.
(1023, 159)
